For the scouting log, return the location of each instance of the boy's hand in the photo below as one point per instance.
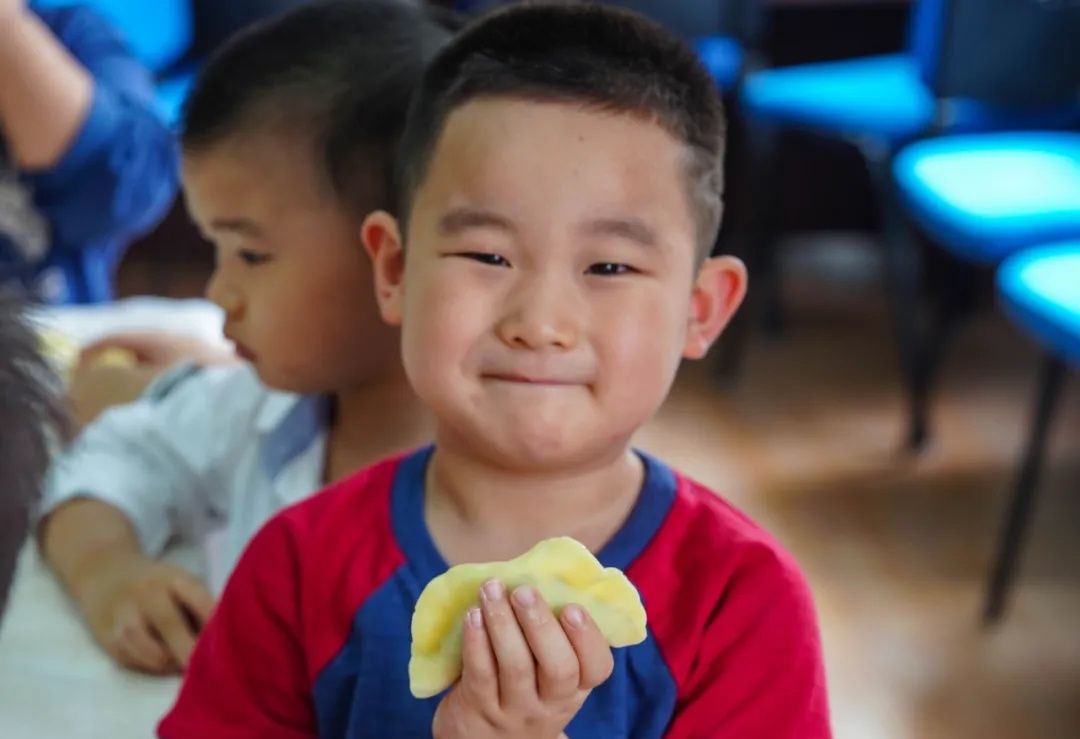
(525, 673)
(146, 614)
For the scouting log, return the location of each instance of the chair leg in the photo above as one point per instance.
(903, 273)
(955, 300)
(1023, 495)
(756, 246)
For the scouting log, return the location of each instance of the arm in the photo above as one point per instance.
(98, 385)
(758, 669)
(139, 610)
(116, 172)
(133, 479)
(44, 92)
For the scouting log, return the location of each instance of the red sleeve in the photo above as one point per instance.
(248, 674)
(758, 671)
(735, 624)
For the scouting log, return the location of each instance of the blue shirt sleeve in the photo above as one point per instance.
(120, 173)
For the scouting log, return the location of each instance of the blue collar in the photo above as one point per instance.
(412, 534)
(290, 424)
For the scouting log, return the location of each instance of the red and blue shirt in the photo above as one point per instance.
(312, 635)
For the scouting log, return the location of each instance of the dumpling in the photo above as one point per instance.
(562, 569)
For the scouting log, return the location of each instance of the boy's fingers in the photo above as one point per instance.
(516, 668)
(170, 623)
(479, 675)
(593, 651)
(137, 647)
(557, 671)
(195, 597)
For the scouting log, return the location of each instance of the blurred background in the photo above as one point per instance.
(898, 401)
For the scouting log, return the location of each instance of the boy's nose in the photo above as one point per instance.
(219, 292)
(540, 316)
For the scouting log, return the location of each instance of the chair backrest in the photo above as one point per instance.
(691, 19)
(159, 32)
(1008, 53)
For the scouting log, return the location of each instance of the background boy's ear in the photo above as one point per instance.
(718, 292)
(382, 239)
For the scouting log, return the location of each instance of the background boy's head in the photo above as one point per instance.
(288, 141)
(561, 185)
(29, 410)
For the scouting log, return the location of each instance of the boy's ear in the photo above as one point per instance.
(718, 291)
(382, 239)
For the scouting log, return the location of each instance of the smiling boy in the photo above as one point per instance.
(560, 189)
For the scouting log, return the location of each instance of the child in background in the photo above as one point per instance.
(560, 192)
(29, 411)
(288, 141)
(86, 164)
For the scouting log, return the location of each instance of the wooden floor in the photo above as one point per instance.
(895, 546)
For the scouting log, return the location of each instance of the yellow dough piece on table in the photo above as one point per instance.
(63, 352)
(115, 356)
(562, 569)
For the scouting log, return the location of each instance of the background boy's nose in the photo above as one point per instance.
(219, 292)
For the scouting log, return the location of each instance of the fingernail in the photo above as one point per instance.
(493, 590)
(525, 596)
(574, 616)
(475, 618)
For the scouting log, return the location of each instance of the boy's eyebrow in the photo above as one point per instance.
(631, 229)
(242, 226)
(462, 219)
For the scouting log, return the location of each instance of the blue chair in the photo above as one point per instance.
(160, 34)
(948, 80)
(1040, 291)
(984, 196)
(981, 197)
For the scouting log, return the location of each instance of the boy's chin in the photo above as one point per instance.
(556, 453)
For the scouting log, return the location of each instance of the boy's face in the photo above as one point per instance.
(291, 275)
(550, 285)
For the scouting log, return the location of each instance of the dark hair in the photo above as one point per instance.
(340, 72)
(29, 410)
(601, 57)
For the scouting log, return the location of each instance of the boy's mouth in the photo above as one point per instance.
(243, 352)
(519, 379)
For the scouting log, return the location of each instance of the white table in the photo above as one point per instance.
(54, 681)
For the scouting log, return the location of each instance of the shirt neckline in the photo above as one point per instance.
(413, 536)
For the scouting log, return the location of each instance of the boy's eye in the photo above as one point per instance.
(609, 269)
(253, 258)
(485, 258)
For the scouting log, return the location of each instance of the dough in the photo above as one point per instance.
(562, 569)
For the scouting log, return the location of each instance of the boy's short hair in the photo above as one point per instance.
(338, 71)
(602, 57)
(29, 410)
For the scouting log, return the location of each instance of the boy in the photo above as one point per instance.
(288, 141)
(560, 190)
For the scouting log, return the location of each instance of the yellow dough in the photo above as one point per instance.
(63, 352)
(564, 572)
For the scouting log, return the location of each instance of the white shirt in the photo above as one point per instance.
(206, 455)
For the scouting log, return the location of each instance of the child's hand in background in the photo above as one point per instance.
(525, 673)
(146, 614)
(158, 349)
(96, 385)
